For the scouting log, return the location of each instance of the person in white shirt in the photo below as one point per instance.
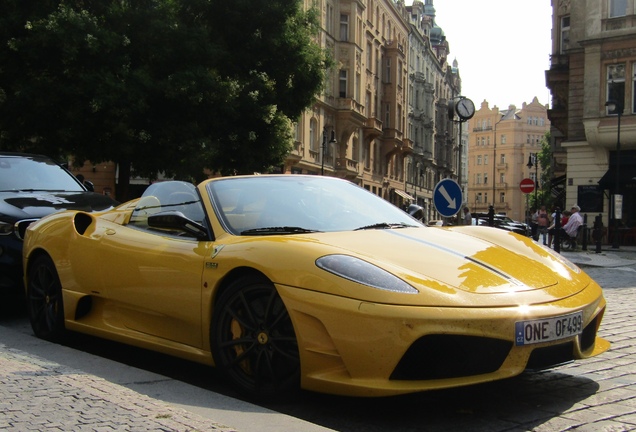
(575, 221)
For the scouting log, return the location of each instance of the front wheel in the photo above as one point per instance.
(44, 300)
(253, 340)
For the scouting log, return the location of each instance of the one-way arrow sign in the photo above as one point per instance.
(447, 197)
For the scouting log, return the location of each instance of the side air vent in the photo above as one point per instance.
(82, 221)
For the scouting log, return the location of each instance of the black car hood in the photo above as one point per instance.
(34, 205)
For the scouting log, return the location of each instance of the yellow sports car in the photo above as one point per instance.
(288, 281)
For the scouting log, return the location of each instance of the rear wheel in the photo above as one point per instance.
(253, 339)
(44, 300)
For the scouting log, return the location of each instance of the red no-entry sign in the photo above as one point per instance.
(526, 185)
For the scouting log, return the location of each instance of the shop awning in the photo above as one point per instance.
(627, 175)
(404, 194)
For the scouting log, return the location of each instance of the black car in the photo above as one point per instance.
(31, 187)
(503, 222)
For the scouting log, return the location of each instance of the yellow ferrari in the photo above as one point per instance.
(292, 281)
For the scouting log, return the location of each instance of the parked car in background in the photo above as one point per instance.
(436, 222)
(503, 222)
(288, 281)
(33, 186)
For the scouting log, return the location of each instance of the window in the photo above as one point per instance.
(343, 84)
(502, 158)
(478, 160)
(485, 178)
(618, 8)
(565, 34)
(387, 72)
(477, 178)
(503, 139)
(387, 116)
(478, 198)
(344, 27)
(502, 178)
(502, 197)
(313, 133)
(616, 85)
(485, 159)
(329, 19)
(369, 55)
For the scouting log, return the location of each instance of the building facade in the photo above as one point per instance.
(382, 119)
(500, 144)
(592, 79)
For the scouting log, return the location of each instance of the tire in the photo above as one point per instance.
(45, 305)
(253, 340)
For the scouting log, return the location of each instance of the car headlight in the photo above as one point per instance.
(357, 270)
(6, 228)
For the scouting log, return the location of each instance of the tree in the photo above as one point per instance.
(170, 86)
(544, 158)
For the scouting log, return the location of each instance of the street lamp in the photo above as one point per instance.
(616, 107)
(324, 147)
(533, 156)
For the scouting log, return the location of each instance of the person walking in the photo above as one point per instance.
(468, 218)
(543, 222)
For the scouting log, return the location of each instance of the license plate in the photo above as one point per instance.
(548, 329)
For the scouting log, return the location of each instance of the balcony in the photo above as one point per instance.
(372, 128)
(351, 111)
(346, 168)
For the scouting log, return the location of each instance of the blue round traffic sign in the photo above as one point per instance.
(447, 197)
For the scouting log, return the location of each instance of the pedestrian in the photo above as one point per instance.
(543, 222)
(551, 229)
(534, 224)
(468, 218)
(574, 222)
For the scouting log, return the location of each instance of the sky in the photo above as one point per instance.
(502, 48)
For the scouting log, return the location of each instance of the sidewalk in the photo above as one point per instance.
(55, 388)
(624, 256)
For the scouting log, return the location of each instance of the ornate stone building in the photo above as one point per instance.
(592, 78)
(381, 121)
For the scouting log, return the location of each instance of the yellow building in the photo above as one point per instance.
(500, 143)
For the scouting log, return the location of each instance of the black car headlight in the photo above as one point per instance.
(357, 270)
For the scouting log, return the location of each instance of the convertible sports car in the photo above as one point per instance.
(287, 281)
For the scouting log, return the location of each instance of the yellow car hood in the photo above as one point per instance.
(483, 266)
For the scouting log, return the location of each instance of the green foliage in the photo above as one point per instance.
(544, 195)
(166, 85)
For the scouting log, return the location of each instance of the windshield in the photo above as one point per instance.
(291, 204)
(33, 173)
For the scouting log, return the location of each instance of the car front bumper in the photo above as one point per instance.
(357, 348)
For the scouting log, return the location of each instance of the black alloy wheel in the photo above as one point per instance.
(44, 300)
(253, 340)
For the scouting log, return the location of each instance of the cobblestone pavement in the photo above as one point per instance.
(41, 395)
(612, 406)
